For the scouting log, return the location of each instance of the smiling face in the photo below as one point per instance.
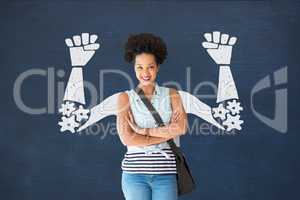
(146, 68)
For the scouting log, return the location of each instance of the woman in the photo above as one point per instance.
(149, 167)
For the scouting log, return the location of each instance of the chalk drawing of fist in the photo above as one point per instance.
(219, 47)
(82, 48)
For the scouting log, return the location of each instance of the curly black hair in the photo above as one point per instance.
(145, 43)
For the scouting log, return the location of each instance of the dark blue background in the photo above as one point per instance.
(39, 162)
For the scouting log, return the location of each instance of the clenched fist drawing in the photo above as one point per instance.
(219, 47)
(82, 48)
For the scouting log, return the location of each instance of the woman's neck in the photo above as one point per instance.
(148, 89)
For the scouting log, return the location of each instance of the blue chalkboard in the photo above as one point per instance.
(37, 161)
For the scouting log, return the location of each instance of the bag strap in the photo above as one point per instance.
(156, 116)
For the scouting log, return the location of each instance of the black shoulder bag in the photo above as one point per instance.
(185, 181)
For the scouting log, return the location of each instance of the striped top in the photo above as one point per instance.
(152, 159)
(153, 163)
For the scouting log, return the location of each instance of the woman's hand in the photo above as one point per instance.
(144, 131)
(134, 127)
(175, 116)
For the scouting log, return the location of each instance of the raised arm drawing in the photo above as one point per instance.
(82, 48)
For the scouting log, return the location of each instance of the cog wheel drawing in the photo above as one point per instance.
(234, 107)
(81, 113)
(67, 108)
(68, 124)
(220, 112)
(233, 122)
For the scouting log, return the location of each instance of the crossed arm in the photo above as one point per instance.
(132, 135)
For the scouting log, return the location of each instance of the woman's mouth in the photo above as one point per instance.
(145, 78)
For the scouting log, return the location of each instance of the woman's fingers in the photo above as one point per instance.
(127, 119)
(131, 116)
(179, 116)
(133, 126)
(175, 116)
(130, 123)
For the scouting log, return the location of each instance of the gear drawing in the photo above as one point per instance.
(220, 112)
(233, 122)
(67, 108)
(81, 113)
(68, 124)
(234, 107)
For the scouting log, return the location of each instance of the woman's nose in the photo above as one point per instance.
(145, 73)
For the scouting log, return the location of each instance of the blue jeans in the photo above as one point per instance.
(149, 186)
